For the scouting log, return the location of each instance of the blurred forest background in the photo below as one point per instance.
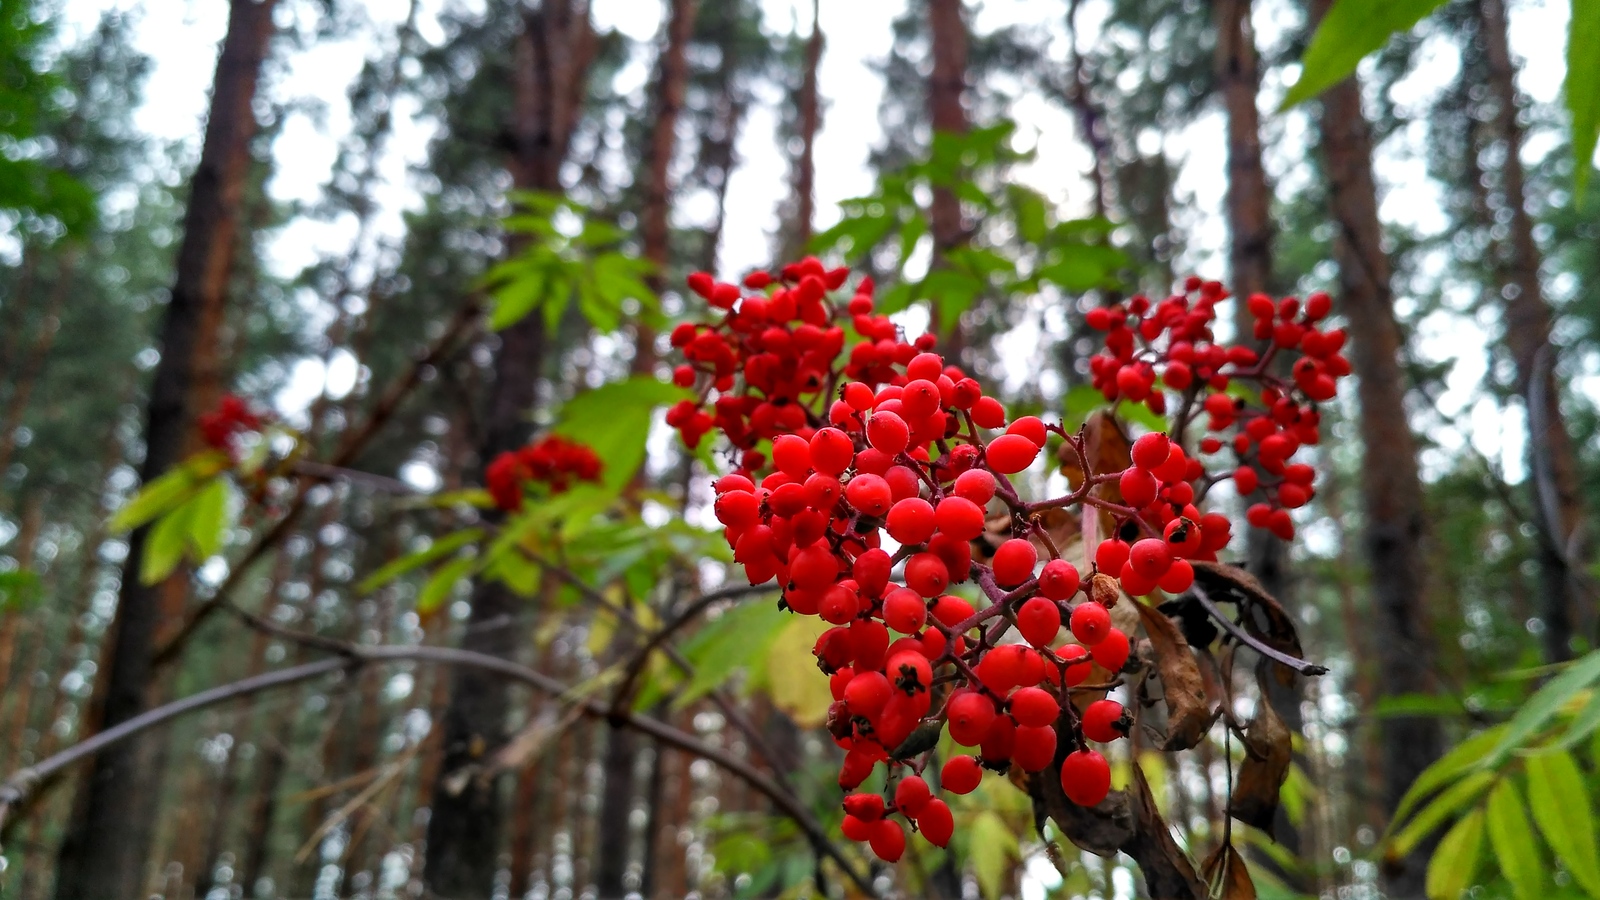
(1447, 567)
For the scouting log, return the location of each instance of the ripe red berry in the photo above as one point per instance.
(961, 775)
(970, 714)
(888, 433)
(831, 451)
(1090, 623)
(1112, 652)
(1000, 742)
(1004, 668)
(1039, 621)
(1101, 721)
(988, 413)
(1085, 777)
(1009, 454)
(976, 486)
(792, 455)
(951, 610)
(1150, 450)
(867, 693)
(1138, 487)
(1034, 748)
(869, 494)
(935, 821)
(904, 611)
(911, 795)
(1079, 665)
(1059, 580)
(1014, 561)
(1175, 467)
(927, 575)
(737, 509)
(839, 605)
(855, 829)
(1029, 427)
(1179, 578)
(959, 517)
(871, 571)
(866, 807)
(911, 521)
(1150, 557)
(888, 840)
(1110, 555)
(1035, 707)
(1245, 480)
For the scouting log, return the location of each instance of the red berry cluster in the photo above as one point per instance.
(1172, 340)
(553, 461)
(231, 418)
(840, 448)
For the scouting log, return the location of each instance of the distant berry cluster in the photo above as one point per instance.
(553, 461)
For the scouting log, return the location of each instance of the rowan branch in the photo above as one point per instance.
(1244, 637)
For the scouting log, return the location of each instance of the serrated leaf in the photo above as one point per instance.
(1450, 766)
(442, 584)
(1582, 89)
(1351, 30)
(1511, 835)
(736, 640)
(1543, 705)
(614, 420)
(1438, 811)
(1560, 804)
(1455, 861)
(439, 549)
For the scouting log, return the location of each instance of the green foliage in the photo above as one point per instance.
(1582, 88)
(19, 590)
(563, 254)
(30, 183)
(1351, 30)
(193, 528)
(893, 222)
(614, 420)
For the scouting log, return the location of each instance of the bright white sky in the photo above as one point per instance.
(181, 37)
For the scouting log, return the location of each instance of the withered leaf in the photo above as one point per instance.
(1264, 617)
(1268, 750)
(1189, 715)
(1225, 873)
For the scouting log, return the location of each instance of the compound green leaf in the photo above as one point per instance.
(1560, 804)
(443, 583)
(1456, 859)
(1438, 811)
(1511, 836)
(1543, 706)
(736, 640)
(614, 420)
(1582, 89)
(1351, 30)
(165, 545)
(208, 519)
(439, 549)
(1448, 767)
(1583, 724)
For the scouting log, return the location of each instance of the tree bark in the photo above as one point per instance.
(1391, 488)
(104, 852)
(947, 84)
(549, 80)
(805, 165)
(1554, 464)
(655, 231)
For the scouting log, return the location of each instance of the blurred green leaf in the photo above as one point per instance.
(439, 588)
(614, 420)
(991, 846)
(1583, 724)
(1582, 89)
(169, 491)
(439, 549)
(1447, 768)
(19, 590)
(1561, 807)
(1439, 810)
(1455, 861)
(1511, 836)
(1351, 30)
(208, 520)
(1543, 705)
(736, 640)
(164, 545)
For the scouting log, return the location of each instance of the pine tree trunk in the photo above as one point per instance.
(1557, 493)
(552, 57)
(106, 848)
(805, 166)
(1391, 488)
(947, 83)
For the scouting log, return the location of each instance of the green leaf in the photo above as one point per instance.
(1079, 403)
(614, 420)
(1560, 804)
(208, 519)
(1446, 768)
(164, 545)
(1351, 30)
(443, 582)
(1543, 706)
(439, 549)
(1582, 89)
(1512, 839)
(1456, 859)
(517, 572)
(991, 847)
(19, 590)
(169, 491)
(1438, 811)
(1583, 724)
(736, 640)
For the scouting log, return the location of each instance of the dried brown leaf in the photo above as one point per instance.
(1268, 751)
(1226, 875)
(1189, 714)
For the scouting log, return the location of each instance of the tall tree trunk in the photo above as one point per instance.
(655, 232)
(1554, 463)
(947, 83)
(809, 105)
(104, 852)
(1391, 488)
(549, 81)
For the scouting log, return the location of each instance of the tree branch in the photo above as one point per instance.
(1243, 637)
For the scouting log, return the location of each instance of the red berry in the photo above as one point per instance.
(910, 672)
(866, 807)
(871, 571)
(1175, 467)
(951, 610)
(888, 840)
(1101, 721)
(855, 829)
(1034, 748)
(867, 694)
(1001, 741)
(904, 611)
(1085, 777)
(1035, 707)
(737, 509)
(911, 795)
(1059, 580)
(961, 775)
(959, 517)
(792, 455)
(1039, 620)
(1014, 561)
(1079, 665)
(1245, 480)
(988, 413)
(1179, 578)
(869, 494)
(1112, 651)
(1110, 555)
(1150, 450)
(887, 433)
(1009, 454)
(911, 521)
(1138, 487)
(1090, 623)
(1150, 557)
(935, 821)
(831, 451)
(927, 575)
(1029, 427)
(976, 486)
(970, 714)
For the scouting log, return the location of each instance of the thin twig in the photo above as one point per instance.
(1244, 637)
